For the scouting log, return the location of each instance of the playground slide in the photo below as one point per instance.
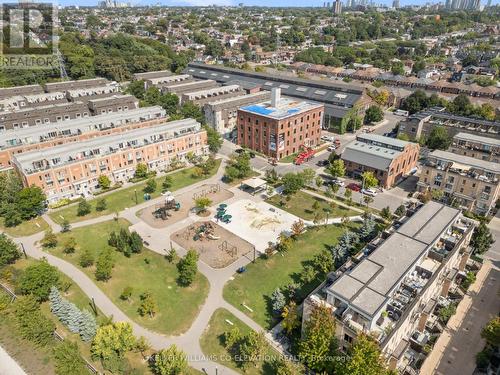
(212, 237)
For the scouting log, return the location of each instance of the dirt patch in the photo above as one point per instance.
(186, 200)
(218, 251)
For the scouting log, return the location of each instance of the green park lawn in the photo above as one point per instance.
(301, 205)
(212, 343)
(26, 228)
(123, 198)
(255, 286)
(148, 271)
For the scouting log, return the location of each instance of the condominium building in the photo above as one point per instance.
(29, 101)
(86, 94)
(21, 140)
(150, 75)
(188, 86)
(280, 127)
(32, 116)
(64, 86)
(465, 181)
(7, 92)
(208, 95)
(222, 114)
(475, 146)
(114, 103)
(167, 80)
(400, 278)
(389, 159)
(71, 170)
(419, 125)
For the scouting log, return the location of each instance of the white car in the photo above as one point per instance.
(331, 148)
(370, 192)
(338, 182)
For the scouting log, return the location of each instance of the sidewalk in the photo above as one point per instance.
(8, 366)
(455, 351)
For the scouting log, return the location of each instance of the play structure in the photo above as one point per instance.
(205, 231)
(306, 155)
(210, 189)
(222, 215)
(230, 249)
(162, 210)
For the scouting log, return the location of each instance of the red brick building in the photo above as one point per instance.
(280, 127)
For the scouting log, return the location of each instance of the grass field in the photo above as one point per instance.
(301, 205)
(122, 198)
(255, 286)
(26, 228)
(211, 343)
(148, 271)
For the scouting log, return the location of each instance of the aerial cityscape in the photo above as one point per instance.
(250, 188)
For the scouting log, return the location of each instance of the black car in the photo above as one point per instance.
(322, 163)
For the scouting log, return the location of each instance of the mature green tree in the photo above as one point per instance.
(104, 182)
(170, 361)
(369, 179)
(238, 167)
(363, 358)
(190, 110)
(373, 114)
(292, 183)
(188, 267)
(278, 300)
(31, 322)
(148, 305)
(68, 360)
(65, 226)
(318, 343)
(113, 339)
(9, 252)
(150, 186)
(438, 138)
(491, 332)
(284, 243)
(104, 265)
(141, 170)
(101, 205)
(69, 246)
(86, 259)
(30, 202)
(482, 239)
(37, 280)
(213, 138)
(336, 168)
(84, 208)
(291, 320)
(167, 183)
(136, 88)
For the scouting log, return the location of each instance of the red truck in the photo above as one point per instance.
(306, 155)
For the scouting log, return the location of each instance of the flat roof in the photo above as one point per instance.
(69, 150)
(466, 160)
(477, 138)
(382, 139)
(368, 286)
(34, 134)
(373, 156)
(287, 107)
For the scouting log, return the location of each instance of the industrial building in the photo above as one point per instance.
(341, 101)
(280, 127)
(389, 159)
(71, 170)
(222, 114)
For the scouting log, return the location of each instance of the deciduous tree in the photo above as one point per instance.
(170, 361)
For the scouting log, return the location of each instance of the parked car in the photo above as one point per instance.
(339, 182)
(354, 187)
(239, 151)
(370, 192)
(252, 154)
(322, 163)
(331, 148)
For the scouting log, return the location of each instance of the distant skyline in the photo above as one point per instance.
(275, 3)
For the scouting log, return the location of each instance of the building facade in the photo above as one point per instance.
(21, 140)
(202, 97)
(392, 292)
(280, 127)
(71, 170)
(419, 125)
(222, 115)
(469, 182)
(114, 103)
(389, 159)
(476, 146)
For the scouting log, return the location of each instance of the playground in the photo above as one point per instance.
(217, 246)
(176, 207)
(256, 222)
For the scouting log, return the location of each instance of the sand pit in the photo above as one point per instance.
(186, 200)
(219, 252)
